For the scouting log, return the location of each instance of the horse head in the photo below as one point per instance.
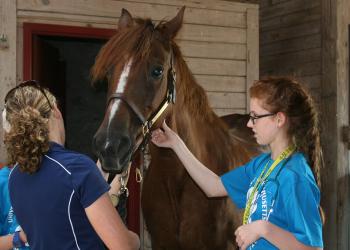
(138, 63)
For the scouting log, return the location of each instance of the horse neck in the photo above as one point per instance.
(199, 127)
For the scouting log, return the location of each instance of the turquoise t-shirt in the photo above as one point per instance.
(290, 198)
(8, 221)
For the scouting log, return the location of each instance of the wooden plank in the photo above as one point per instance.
(222, 83)
(268, 3)
(213, 50)
(301, 56)
(298, 69)
(292, 45)
(107, 8)
(19, 54)
(227, 100)
(331, 139)
(287, 7)
(311, 82)
(203, 66)
(292, 19)
(190, 32)
(66, 22)
(343, 111)
(285, 33)
(206, 4)
(7, 57)
(27, 15)
(222, 112)
(252, 50)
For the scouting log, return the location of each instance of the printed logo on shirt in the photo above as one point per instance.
(262, 203)
(10, 216)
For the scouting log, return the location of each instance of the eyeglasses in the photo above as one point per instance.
(30, 83)
(253, 117)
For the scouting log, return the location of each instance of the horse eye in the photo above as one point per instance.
(157, 72)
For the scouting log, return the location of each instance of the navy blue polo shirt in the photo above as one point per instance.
(50, 204)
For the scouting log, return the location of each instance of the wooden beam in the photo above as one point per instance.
(252, 50)
(335, 114)
(343, 168)
(7, 56)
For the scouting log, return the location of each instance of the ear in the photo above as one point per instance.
(56, 112)
(281, 119)
(125, 19)
(173, 26)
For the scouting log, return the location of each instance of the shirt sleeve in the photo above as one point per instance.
(4, 198)
(87, 181)
(237, 181)
(303, 213)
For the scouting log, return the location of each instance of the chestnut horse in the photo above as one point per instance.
(140, 62)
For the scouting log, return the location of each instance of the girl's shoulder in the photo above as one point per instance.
(297, 171)
(260, 160)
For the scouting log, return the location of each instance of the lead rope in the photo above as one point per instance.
(146, 159)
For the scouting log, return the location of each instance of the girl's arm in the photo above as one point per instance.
(6, 241)
(282, 239)
(109, 226)
(206, 179)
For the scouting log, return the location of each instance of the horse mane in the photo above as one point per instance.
(228, 139)
(194, 96)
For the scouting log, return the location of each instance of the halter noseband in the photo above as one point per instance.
(169, 98)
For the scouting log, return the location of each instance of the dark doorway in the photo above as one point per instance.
(63, 65)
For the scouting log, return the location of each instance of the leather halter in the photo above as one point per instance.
(169, 98)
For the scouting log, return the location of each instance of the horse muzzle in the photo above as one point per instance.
(114, 152)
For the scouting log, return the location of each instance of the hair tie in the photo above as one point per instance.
(5, 124)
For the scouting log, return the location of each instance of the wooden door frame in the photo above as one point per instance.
(335, 117)
(32, 29)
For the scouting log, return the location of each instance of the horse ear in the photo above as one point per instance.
(173, 26)
(125, 19)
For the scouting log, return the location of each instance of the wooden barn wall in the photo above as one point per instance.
(290, 40)
(214, 39)
(309, 40)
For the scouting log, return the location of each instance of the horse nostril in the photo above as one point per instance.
(114, 152)
(110, 149)
(119, 148)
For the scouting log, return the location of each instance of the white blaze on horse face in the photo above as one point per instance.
(120, 89)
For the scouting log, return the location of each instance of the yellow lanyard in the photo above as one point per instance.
(261, 179)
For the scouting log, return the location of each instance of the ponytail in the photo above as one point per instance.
(27, 140)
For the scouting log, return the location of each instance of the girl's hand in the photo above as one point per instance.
(166, 138)
(104, 174)
(115, 184)
(23, 236)
(248, 234)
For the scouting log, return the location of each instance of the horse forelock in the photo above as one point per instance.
(130, 42)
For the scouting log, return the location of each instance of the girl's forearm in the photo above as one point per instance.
(281, 238)
(206, 179)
